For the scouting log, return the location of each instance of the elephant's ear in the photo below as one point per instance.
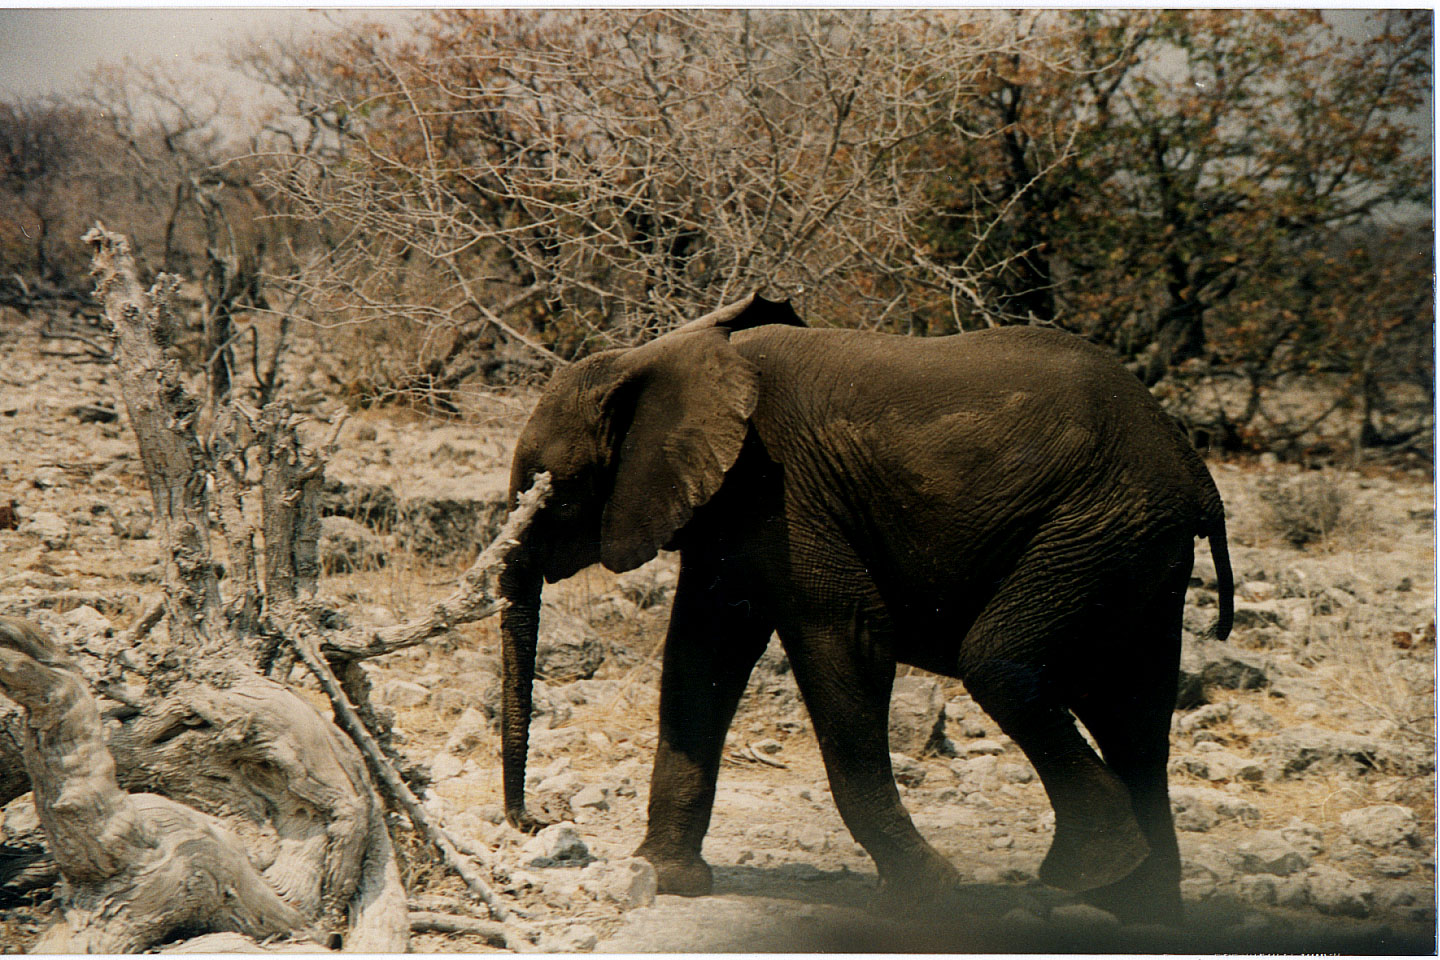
(682, 405)
(753, 311)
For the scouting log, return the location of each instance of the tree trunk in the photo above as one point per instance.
(1181, 336)
(224, 804)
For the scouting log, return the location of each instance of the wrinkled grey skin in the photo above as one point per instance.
(1009, 507)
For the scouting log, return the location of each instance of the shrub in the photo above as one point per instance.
(1305, 508)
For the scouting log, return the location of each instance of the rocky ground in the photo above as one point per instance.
(1303, 752)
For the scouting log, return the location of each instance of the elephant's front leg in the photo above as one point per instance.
(713, 643)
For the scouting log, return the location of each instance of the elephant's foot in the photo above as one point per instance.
(684, 876)
(1084, 858)
(923, 880)
(1144, 896)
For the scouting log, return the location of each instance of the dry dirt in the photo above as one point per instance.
(1303, 764)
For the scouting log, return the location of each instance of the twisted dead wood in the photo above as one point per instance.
(140, 867)
(206, 728)
(471, 602)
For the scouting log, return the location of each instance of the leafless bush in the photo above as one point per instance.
(1304, 509)
(569, 179)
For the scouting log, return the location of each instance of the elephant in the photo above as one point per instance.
(1008, 506)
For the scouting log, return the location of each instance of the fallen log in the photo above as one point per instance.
(492, 933)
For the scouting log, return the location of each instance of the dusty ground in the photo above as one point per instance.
(1303, 764)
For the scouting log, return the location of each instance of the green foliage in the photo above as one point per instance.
(1173, 157)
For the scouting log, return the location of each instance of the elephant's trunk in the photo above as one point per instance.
(519, 626)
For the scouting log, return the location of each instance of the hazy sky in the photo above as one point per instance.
(51, 50)
(45, 51)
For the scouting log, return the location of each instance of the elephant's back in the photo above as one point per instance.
(947, 464)
(1012, 420)
(1008, 372)
(987, 356)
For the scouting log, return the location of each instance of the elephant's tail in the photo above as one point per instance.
(1224, 582)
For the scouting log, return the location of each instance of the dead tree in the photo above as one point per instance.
(140, 866)
(219, 781)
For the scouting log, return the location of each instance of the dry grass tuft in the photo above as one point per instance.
(1309, 508)
(1365, 675)
(1319, 797)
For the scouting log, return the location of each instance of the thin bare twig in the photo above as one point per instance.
(472, 600)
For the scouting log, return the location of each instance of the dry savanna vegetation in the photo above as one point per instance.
(257, 446)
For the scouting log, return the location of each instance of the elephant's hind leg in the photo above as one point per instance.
(1008, 664)
(845, 674)
(1127, 708)
(712, 645)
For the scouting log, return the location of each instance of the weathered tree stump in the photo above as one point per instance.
(224, 804)
(141, 867)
